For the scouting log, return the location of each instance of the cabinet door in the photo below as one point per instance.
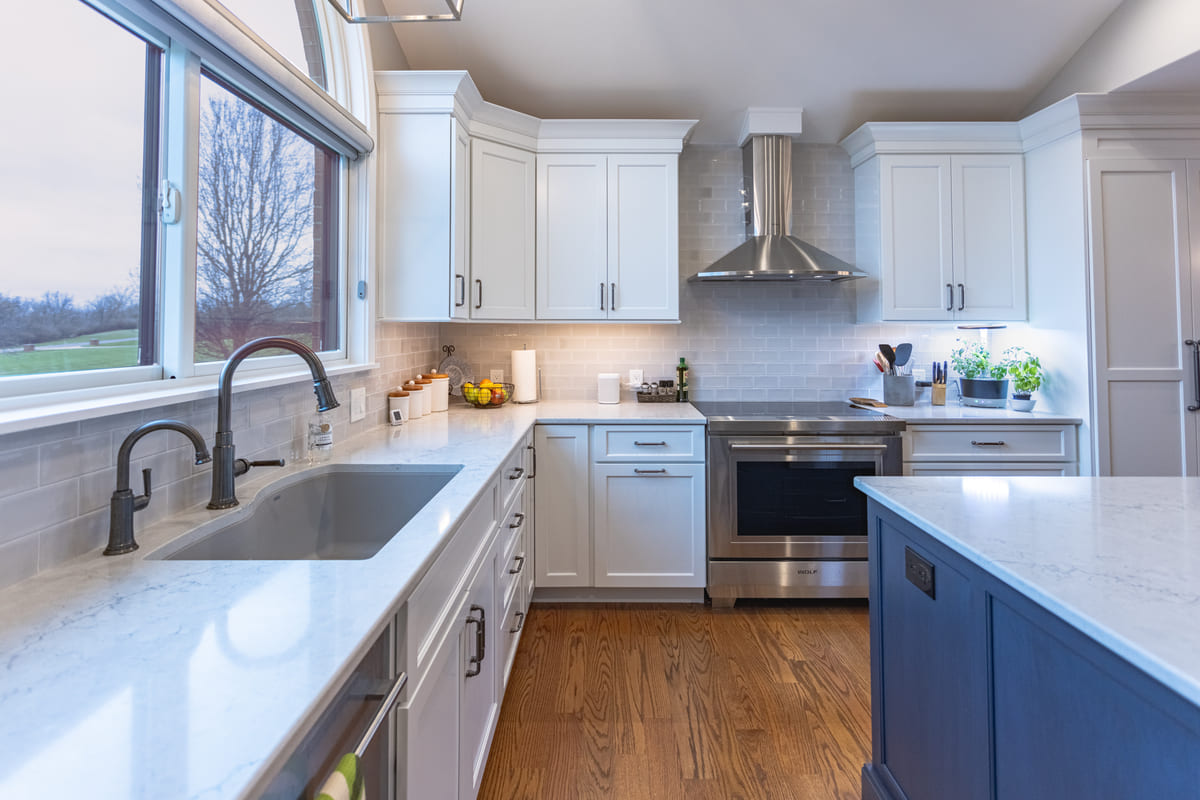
(572, 237)
(916, 250)
(478, 703)
(989, 236)
(502, 220)
(649, 525)
(643, 237)
(460, 224)
(562, 551)
(416, 196)
(428, 748)
(1142, 307)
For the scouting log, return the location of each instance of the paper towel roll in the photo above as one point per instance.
(524, 372)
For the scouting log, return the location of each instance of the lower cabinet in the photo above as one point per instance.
(999, 449)
(978, 692)
(620, 506)
(479, 703)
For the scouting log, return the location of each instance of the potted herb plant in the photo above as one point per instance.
(1027, 376)
(981, 381)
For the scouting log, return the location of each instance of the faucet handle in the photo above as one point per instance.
(143, 500)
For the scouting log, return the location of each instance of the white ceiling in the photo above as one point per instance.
(844, 61)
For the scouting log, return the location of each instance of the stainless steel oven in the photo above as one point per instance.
(784, 518)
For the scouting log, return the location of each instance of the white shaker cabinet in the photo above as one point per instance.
(941, 234)
(502, 231)
(995, 449)
(608, 236)
(562, 550)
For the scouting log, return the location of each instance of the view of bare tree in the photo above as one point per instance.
(255, 241)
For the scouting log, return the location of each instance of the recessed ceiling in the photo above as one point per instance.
(844, 61)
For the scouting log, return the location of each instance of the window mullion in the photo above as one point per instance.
(179, 239)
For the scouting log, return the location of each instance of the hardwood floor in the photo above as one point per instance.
(686, 702)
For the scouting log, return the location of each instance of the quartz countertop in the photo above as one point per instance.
(1117, 558)
(954, 413)
(130, 677)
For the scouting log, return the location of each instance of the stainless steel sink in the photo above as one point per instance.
(342, 512)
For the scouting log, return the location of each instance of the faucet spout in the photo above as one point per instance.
(124, 504)
(224, 468)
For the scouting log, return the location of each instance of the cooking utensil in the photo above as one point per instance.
(903, 353)
(878, 361)
(889, 354)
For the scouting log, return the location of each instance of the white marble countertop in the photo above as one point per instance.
(954, 413)
(1118, 558)
(131, 677)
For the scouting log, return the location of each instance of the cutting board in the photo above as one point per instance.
(868, 401)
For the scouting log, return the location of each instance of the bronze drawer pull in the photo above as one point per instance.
(987, 444)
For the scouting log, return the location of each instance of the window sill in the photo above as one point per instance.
(41, 411)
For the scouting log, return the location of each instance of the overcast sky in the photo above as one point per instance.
(71, 149)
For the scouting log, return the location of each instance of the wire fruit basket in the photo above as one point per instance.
(492, 396)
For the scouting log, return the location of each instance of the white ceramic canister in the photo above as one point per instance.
(441, 390)
(418, 399)
(428, 400)
(608, 387)
(398, 406)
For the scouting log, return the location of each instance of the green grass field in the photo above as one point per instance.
(116, 349)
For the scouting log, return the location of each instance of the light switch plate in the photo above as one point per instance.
(497, 376)
(358, 403)
(636, 377)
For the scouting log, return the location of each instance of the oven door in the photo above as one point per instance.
(792, 497)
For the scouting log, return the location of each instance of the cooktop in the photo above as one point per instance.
(741, 417)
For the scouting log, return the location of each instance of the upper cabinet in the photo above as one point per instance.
(502, 255)
(939, 221)
(608, 236)
(464, 186)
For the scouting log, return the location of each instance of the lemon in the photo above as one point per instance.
(484, 396)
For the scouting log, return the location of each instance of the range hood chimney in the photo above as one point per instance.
(770, 252)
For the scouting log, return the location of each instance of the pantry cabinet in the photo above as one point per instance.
(939, 222)
(608, 236)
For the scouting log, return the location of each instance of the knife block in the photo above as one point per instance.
(937, 394)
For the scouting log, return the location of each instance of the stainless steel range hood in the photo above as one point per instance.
(771, 253)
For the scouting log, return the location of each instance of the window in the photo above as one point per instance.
(78, 245)
(266, 241)
(184, 189)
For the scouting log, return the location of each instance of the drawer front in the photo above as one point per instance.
(648, 443)
(513, 560)
(508, 634)
(431, 604)
(996, 469)
(515, 472)
(986, 443)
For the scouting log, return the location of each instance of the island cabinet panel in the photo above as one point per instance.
(933, 677)
(979, 691)
(1070, 721)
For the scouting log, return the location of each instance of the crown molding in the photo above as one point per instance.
(894, 138)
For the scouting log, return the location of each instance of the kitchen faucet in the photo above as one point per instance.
(123, 504)
(225, 467)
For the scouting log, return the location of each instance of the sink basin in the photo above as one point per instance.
(345, 512)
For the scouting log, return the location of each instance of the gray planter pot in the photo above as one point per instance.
(984, 392)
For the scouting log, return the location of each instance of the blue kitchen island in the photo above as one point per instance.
(1034, 638)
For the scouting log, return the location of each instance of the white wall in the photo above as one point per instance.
(1139, 37)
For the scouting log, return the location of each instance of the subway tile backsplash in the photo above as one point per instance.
(759, 341)
(55, 482)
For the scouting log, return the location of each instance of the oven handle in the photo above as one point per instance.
(828, 446)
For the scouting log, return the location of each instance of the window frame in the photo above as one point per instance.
(44, 398)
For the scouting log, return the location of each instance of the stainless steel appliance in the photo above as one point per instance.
(784, 518)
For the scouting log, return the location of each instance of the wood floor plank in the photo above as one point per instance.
(684, 702)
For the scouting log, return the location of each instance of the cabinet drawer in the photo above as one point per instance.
(514, 472)
(647, 443)
(996, 469)
(512, 560)
(986, 443)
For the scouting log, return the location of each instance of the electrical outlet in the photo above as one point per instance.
(358, 403)
(497, 376)
(636, 377)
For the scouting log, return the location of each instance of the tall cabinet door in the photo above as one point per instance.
(916, 251)
(643, 236)
(502, 223)
(1142, 313)
(563, 542)
(989, 236)
(459, 218)
(572, 239)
